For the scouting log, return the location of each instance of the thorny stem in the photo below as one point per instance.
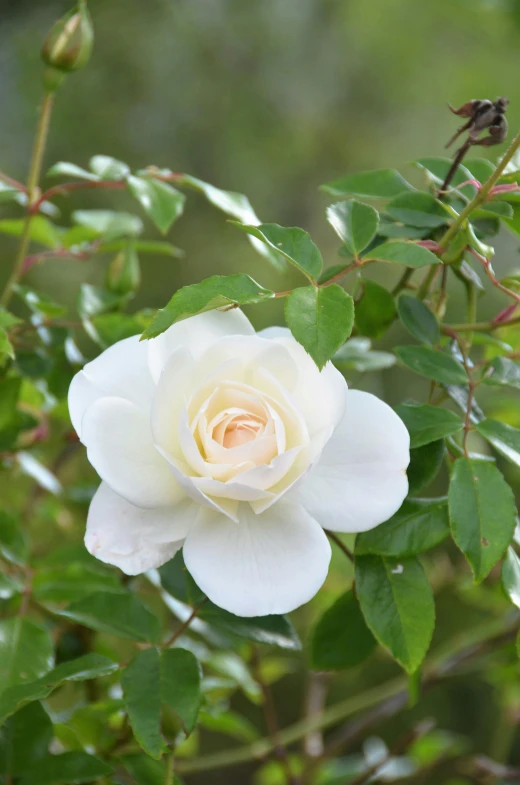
(341, 545)
(184, 626)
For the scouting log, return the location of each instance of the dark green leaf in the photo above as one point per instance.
(376, 311)
(180, 685)
(380, 183)
(504, 373)
(118, 614)
(425, 463)
(409, 254)
(162, 203)
(419, 525)
(388, 228)
(433, 364)
(271, 630)
(417, 208)
(356, 354)
(145, 770)
(24, 739)
(92, 301)
(341, 638)
(418, 319)
(71, 582)
(70, 767)
(293, 243)
(9, 392)
(397, 602)
(107, 168)
(141, 683)
(482, 513)
(427, 423)
(355, 223)
(39, 303)
(510, 576)
(503, 437)
(13, 544)
(26, 651)
(219, 291)
(109, 328)
(320, 319)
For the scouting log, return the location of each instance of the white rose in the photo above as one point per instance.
(232, 445)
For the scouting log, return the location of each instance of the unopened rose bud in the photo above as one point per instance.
(69, 44)
(124, 273)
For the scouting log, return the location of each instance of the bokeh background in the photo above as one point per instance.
(272, 98)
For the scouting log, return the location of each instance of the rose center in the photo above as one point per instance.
(241, 430)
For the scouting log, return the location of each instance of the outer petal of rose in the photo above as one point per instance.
(131, 538)
(196, 334)
(360, 480)
(270, 563)
(121, 370)
(119, 446)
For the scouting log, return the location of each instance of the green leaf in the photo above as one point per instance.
(93, 301)
(144, 770)
(219, 291)
(70, 767)
(6, 347)
(9, 393)
(480, 168)
(341, 638)
(162, 203)
(438, 168)
(320, 319)
(420, 524)
(376, 311)
(64, 169)
(26, 651)
(355, 223)
(153, 247)
(107, 168)
(72, 581)
(433, 364)
(427, 423)
(388, 228)
(425, 463)
(118, 614)
(503, 437)
(180, 685)
(482, 513)
(356, 354)
(108, 223)
(41, 231)
(409, 254)
(8, 319)
(90, 666)
(293, 243)
(397, 603)
(109, 328)
(124, 271)
(40, 303)
(13, 543)
(417, 208)
(380, 183)
(418, 319)
(510, 576)
(24, 739)
(504, 373)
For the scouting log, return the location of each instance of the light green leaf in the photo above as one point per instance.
(13, 544)
(320, 319)
(229, 723)
(8, 319)
(503, 437)
(504, 373)
(107, 168)
(355, 223)
(438, 168)
(6, 347)
(380, 183)
(480, 168)
(482, 513)
(418, 319)
(124, 271)
(397, 603)
(510, 576)
(108, 223)
(420, 524)
(409, 254)
(417, 208)
(425, 463)
(427, 423)
(433, 364)
(162, 203)
(356, 354)
(144, 769)
(9, 394)
(376, 310)
(341, 638)
(219, 291)
(73, 768)
(41, 231)
(64, 169)
(118, 614)
(26, 651)
(293, 243)
(154, 247)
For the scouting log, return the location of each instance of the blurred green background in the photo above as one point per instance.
(272, 98)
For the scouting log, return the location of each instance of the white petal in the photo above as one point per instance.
(119, 445)
(360, 480)
(131, 538)
(270, 563)
(233, 489)
(121, 371)
(196, 334)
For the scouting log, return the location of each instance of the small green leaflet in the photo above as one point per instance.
(162, 203)
(355, 223)
(341, 638)
(417, 208)
(420, 524)
(65, 169)
(379, 183)
(427, 423)
(433, 364)
(293, 243)
(219, 291)
(376, 311)
(418, 319)
(510, 576)
(320, 319)
(397, 603)
(407, 253)
(504, 438)
(482, 513)
(107, 168)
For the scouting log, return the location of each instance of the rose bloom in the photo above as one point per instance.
(232, 445)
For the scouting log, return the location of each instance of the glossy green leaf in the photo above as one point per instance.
(357, 355)
(320, 319)
(39, 303)
(503, 372)
(397, 603)
(427, 423)
(26, 651)
(418, 319)
(425, 463)
(420, 524)
(438, 168)
(504, 438)
(13, 543)
(6, 347)
(107, 168)
(108, 223)
(480, 168)
(141, 683)
(118, 614)
(510, 576)
(180, 685)
(433, 364)
(24, 739)
(72, 581)
(109, 328)
(293, 243)
(92, 300)
(482, 513)
(341, 638)
(90, 666)
(379, 183)
(376, 310)
(408, 254)
(355, 223)
(72, 768)
(160, 201)
(417, 208)
(65, 169)
(219, 291)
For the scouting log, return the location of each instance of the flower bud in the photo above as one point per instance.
(69, 44)
(124, 273)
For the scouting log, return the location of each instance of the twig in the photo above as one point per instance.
(184, 626)
(341, 545)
